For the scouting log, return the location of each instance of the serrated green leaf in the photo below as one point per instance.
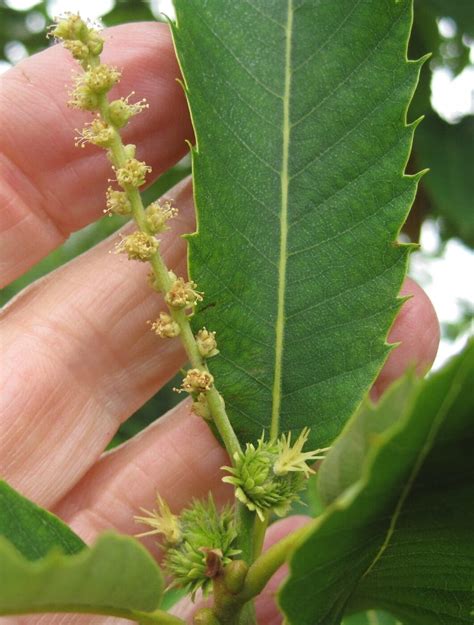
(448, 150)
(397, 534)
(299, 109)
(31, 529)
(116, 576)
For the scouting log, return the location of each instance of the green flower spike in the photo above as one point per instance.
(270, 476)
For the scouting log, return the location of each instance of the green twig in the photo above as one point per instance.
(266, 565)
(157, 617)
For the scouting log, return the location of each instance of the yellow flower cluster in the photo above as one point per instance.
(165, 326)
(197, 381)
(117, 202)
(81, 40)
(182, 294)
(138, 246)
(158, 214)
(132, 174)
(96, 132)
(207, 344)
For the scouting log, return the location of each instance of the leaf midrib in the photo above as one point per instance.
(283, 258)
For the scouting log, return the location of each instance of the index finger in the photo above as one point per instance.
(49, 188)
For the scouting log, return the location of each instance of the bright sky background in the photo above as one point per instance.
(448, 277)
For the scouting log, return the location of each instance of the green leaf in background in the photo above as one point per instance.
(461, 11)
(448, 150)
(116, 576)
(371, 617)
(31, 529)
(301, 143)
(397, 532)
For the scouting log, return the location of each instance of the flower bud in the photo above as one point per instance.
(117, 202)
(120, 111)
(165, 326)
(157, 216)
(95, 43)
(100, 79)
(138, 246)
(200, 407)
(83, 98)
(70, 27)
(133, 173)
(77, 49)
(182, 294)
(206, 343)
(205, 616)
(197, 381)
(234, 575)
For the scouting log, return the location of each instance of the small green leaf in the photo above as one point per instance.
(31, 529)
(116, 576)
(299, 109)
(397, 533)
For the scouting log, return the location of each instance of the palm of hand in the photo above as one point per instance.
(78, 355)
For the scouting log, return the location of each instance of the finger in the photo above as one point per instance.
(265, 605)
(49, 188)
(416, 329)
(177, 457)
(78, 359)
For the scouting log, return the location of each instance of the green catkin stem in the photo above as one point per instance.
(158, 617)
(164, 283)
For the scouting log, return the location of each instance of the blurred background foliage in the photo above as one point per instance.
(446, 197)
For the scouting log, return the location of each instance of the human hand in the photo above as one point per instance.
(78, 355)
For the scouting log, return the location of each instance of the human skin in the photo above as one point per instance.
(78, 355)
